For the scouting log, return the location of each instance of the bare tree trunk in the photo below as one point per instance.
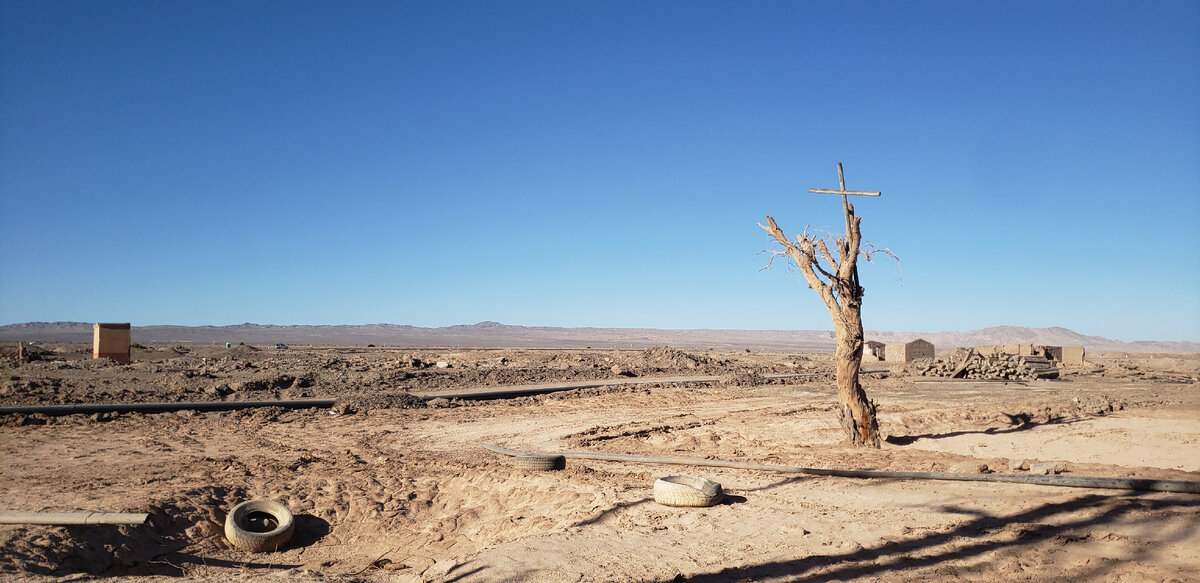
(838, 288)
(858, 413)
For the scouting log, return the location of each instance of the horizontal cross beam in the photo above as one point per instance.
(844, 192)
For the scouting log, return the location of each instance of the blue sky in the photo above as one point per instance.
(598, 163)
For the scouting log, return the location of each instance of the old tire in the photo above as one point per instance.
(686, 491)
(539, 462)
(259, 526)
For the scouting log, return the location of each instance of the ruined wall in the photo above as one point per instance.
(111, 341)
(1072, 355)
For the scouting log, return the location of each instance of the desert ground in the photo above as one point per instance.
(386, 486)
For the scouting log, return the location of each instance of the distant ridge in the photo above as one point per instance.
(495, 334)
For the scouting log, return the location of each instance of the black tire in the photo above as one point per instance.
(259, 526)
(687, 491)
(539, 462)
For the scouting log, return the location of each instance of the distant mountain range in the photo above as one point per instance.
(495, 334)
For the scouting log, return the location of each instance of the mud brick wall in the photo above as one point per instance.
(111, 341)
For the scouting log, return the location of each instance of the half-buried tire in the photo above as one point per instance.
(259, 526)
(687, 491)
(539, 462)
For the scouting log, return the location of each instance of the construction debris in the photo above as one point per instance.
(974, 365)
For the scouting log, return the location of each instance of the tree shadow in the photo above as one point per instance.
(461, 575)
(603, 514)
(1019, 422)
(772, 485)
(727, 499)
(919, 552)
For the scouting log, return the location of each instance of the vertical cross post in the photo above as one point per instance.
(846, 208)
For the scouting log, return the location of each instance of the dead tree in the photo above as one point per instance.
(836, 281)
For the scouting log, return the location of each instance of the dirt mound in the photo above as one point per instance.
(364, 403)
(667, 358)
(743, 378)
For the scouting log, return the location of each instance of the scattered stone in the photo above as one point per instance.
(438, 403)
(622, 371)
(1047, 468)
(745, 378)
(255, 385)
(1016, 464)
(969, 468)
(443, 364)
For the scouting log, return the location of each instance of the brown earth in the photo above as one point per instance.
(387, 489)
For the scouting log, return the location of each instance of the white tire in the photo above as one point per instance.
(687, 491)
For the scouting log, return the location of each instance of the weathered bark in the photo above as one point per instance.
(839, 290)
(857, 412)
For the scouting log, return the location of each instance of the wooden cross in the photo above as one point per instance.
(842, 191)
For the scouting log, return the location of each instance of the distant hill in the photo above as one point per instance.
(494, 334)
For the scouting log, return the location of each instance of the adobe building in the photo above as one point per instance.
(111, 341)
(873, 351)
(908, 351)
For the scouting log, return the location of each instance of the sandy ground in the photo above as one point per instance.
(385, 489)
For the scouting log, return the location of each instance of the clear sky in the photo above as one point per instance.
(598, 163)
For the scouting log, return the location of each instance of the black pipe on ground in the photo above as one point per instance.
(88, 408)
(503, 393)
(542, 389)
(1136, 484)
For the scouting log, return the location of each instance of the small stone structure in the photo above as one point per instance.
(873, 351)
(908, 351)
(111, 341)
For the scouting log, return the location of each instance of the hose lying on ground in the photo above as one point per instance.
(1143, 485)
(128, 518)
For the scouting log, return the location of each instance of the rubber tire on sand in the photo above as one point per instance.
(239, 535)
(686, 491)
(539, 462)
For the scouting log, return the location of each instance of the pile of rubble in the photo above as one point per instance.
(973, 365)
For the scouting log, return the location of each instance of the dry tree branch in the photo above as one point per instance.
(774, 254)
(871, 251)
(835, 265)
